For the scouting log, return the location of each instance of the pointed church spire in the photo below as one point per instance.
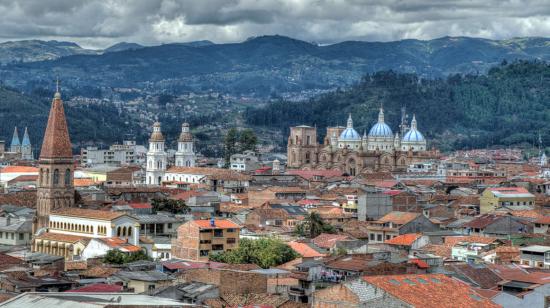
(15, 139)
(350, 122)
(26, 140)
(57, 143)
(57, 94)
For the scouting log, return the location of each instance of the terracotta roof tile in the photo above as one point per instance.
(218, 224)
(326, 240)
(87, 213)
(305, 250)
(99, 272)
(430, 290)
(453, 240)
(67, 238)
(400, 218)
(19, 169)
(404, 239)
(215, 173)
(98, 288)
(57, 143)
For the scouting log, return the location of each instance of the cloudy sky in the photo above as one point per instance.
(100, 23)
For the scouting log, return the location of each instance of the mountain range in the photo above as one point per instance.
(262, 66)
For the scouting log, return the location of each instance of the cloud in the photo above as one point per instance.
(99, 23)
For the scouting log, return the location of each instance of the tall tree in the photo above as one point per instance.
(248, 140)
(230, 144)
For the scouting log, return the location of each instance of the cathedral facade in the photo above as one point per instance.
(157, 162)
(346, 150)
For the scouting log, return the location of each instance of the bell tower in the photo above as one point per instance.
(56, 167)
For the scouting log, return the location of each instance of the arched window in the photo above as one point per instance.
(129, 231)
(124, 232)
(56, 177)
(118, 231)
(68, 177)
(47, 176)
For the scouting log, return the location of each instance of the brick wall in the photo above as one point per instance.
(229, 281)
(186, 244)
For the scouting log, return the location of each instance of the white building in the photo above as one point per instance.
(245, 162)
(185, 156)
(117, 154)
(156, 157)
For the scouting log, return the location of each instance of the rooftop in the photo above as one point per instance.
(87, 213)
(218, 224)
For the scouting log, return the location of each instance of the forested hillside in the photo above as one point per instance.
(508, 106)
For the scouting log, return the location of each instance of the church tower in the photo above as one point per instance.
(156, 157)
(15, 145)
(56, 168)
(26, 147)
(185, 156)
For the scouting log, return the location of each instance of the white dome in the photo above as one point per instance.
(380, 129)
(350, 134)
(413, 135)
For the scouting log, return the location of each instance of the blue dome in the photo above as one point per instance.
(350, 134)
(380, 129)
(413, 136)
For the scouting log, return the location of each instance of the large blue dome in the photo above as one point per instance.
(413, 135)
(350, 134)
(380, 129)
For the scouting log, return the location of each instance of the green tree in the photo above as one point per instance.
(313, 225)
(170, 205)
(247, 140)
(230, 144)
(116, 256)
(264, 252)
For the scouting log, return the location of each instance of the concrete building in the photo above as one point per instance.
(197, 239)
(535, 256)
(510, 197)
(245, 162)
(116, 154)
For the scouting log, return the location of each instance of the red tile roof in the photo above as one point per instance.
(509, 190)
(305, 250)
(400, 218)
(453, 240)
(141, 205)
(57, 143)
(429, 290)
(543, 220)
(309, 174)
(19, 169)
(120, 244)
(404, 239)
(325, 240)
(98, 288)
(87, 213)
(218, 224)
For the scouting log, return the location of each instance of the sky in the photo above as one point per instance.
(101, 23)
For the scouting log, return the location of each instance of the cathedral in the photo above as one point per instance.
(21, 149)
(56, 167)
(346, 150)
(157, 157)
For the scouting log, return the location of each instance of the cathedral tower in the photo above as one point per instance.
(56, 167)
(15, 145)
(185, 156)
(26, 147)
(156, 157)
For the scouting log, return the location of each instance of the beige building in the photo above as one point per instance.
(345, 150)
(197, 239)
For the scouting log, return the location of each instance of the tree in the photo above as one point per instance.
(116, 256)
(248, 140)
(230, 144)
(313, 225)
(264, 252)
(170, 205)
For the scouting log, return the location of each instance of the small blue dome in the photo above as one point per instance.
(350, 134)
(380, 129)
(413, 135)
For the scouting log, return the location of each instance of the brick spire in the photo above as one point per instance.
(57, 143)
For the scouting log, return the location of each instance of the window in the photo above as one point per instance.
(218, 233)
(56, 177)
(371, 236)
(205, 241)
(21, 236)
(12, 236)
(379, 237)
(169, 225)
(204, 253)
(68, 177)
(151, 287)
(1, 234)
(217, 247)
(231, 241)
(388, 237)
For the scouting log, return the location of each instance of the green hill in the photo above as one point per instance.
(508, 106)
